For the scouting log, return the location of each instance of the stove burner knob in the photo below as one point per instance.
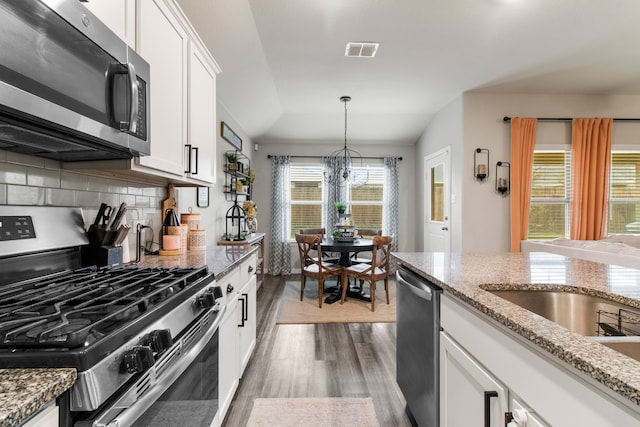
(159, 340)
(217, 292)
(206, 299)
(138, 359)
(229, 288)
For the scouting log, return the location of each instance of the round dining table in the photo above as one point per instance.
(346, 248)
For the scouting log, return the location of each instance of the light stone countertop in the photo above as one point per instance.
(24, 391)
(465, 275)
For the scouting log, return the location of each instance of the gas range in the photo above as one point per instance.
(114, 325)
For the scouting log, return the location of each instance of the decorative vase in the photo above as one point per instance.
(252, 224)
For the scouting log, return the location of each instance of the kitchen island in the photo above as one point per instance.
(611, 379)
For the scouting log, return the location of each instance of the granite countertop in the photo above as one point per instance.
(466, 276)
(219, 259)
(24, 391)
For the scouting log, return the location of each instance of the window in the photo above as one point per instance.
(306, 197)
(624, 193)
(549, 214)
(550, 195)
(365, 201)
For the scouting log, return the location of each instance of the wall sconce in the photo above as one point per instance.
(481, 164)
(503, 178)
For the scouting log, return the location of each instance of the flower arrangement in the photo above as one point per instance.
(250, 208)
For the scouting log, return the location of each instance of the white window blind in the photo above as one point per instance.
(365, 201)
(624, 193)
(550, 195)
(306, 197)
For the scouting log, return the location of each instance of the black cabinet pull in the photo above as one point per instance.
(188, 146)
(246, 313)
(487, 406)
(197, 161)
(244, 308)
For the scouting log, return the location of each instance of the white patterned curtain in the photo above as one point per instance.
(391, 202)
(334, 192)
(280, 257)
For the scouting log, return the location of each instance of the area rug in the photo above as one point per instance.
(292, 310)
(313, 412)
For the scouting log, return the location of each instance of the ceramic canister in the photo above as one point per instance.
(197, 239)
(191, 219)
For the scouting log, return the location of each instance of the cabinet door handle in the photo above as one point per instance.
(244, 305)
(196, 171)
(188, 146)
(246, 312)
(487, 406)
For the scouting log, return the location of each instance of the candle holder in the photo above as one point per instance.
(503, 178)
(481, 164)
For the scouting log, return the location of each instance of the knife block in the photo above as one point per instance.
(99, 251)
(102, 256)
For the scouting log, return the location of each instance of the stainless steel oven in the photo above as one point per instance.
(144, 341)
(180, 389)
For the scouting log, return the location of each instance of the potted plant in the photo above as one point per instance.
(232, 161)
(341, 206)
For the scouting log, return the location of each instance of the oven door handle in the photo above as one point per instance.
(126, 410)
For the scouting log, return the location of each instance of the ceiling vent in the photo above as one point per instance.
(361, 49)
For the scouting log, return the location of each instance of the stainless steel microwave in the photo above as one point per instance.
(70, 89)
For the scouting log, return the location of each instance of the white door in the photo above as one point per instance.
(437, 200)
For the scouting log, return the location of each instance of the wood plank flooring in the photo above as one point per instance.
(321, 360)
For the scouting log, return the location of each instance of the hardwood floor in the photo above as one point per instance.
(320, 360)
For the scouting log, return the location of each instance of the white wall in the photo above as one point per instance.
(484, 223)
(408, 205)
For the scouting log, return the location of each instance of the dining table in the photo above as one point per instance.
(345, 247)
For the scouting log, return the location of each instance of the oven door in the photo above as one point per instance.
(180, 389)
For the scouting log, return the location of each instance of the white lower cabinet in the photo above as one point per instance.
(237, 330)
(46, 417)
(464, 383)
(479, 355)
(228, 365)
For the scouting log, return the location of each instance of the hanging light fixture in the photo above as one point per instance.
(342, 160)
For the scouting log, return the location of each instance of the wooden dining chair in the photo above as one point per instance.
(364, 256)
(321, 231)
(314, 267)
(372, 273)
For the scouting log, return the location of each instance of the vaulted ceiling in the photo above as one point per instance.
(284, 68)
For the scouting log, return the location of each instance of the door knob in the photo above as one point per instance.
(445, 228)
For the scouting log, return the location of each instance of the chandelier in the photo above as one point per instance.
(342, 160)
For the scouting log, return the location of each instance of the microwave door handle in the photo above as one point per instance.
(133, 79)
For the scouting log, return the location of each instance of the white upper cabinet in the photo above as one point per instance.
(201, 148)
(182, 100)
(118, 15)
(163, 42)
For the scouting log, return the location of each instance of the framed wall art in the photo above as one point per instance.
(230, 136)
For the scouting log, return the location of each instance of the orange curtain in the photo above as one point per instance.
(523, 140)
(590, 153)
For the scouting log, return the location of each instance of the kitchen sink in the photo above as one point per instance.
(629, 346)
(584, 314)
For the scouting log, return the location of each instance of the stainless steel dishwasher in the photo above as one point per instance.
(418, 346)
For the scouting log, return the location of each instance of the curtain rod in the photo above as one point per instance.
(317, 157)
(550, 119)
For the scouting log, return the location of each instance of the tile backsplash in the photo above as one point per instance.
(29, 180)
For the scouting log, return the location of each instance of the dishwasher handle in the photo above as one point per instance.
(417, 287)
